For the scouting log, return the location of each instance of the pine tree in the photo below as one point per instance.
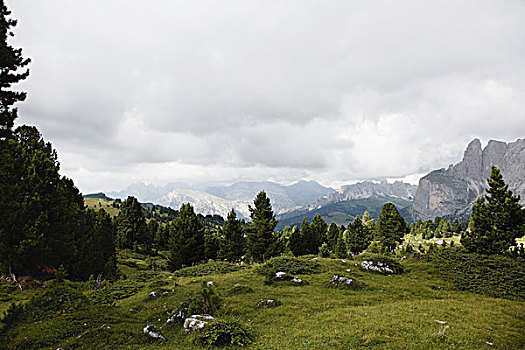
(497, 219)
(260, 236)
(390, 227)
(186, 244)
(297, 243)
(332, 235)
(131, 224)
(149, 241)
(318, 229)
(358, 238)
(232, 243)
(340, 247)
(11, 63)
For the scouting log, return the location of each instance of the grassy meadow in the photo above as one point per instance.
(419, 309)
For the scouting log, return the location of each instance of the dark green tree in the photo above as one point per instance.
(358, 237)
(390, 227)
(152, 228)
(12, 65)
(340, 247)
(186, 243)
(298, 240)
(497, 219)
(232, 243)
(260, 238)
(318, 230)
(131, 224)
(332, 235)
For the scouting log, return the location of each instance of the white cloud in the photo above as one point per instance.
(216, 91)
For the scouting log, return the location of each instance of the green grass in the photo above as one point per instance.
(389, 312)
(98, 204)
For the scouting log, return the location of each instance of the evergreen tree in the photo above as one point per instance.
(131, 224)
(358, 238)
(390, 227)
(11, 72)
(232, 243)
(497, 219)
(260, 236)
(332, 235)
(318, 229)
(186, 244)
(297, 243)
(211, 244)
(151, 235)
(340, 247)
(368, 222)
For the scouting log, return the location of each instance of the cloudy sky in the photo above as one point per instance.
(222, 91)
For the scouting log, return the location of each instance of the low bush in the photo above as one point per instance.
(112, 292)
(224, 333)
(289, 265)
(493, 275)
(210, 268)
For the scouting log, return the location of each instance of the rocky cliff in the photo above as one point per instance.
(451, 192)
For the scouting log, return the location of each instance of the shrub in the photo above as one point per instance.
(492, 275)
(224, 333)
(289, 265)
(206, 301)
(210, 268)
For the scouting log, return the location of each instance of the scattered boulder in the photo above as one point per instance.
(179, 315)
(268, 303)
(197, 322)
(152, 332)
(283, 276)
(342, 282)
(382, 265)
(153, 294)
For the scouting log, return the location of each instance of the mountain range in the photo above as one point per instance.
(448, 193)
(219, 200)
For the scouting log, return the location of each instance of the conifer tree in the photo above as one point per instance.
(12, 65)
(318, 229)
(297, 243)
(186, 244)
(340, 247)
(497, 219)
(232, 242)
(390, 227)
(358, 238)
(131, 224)
(332, 235)
(260, 236)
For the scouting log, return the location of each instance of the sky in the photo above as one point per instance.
(238, 90)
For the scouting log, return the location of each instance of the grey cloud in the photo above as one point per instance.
(327, 90)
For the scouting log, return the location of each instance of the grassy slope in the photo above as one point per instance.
(393, 312)
(98, 203)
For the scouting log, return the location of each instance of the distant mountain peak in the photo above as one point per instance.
(451, 192)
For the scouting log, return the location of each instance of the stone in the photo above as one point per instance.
(268, 303)
(152, 332)
(377, 267)
(197, 322)
(153, 294)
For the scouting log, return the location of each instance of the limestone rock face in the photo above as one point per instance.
(451, 192)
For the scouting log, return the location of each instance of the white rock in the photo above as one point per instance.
(296, 280)
(280, 274)
(149, 331)
(197, 322)
(153, 294)
(209, 283)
